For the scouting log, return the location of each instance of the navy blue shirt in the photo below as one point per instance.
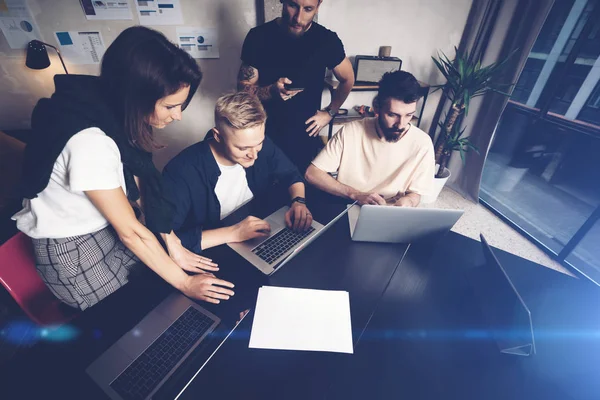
(190, 178)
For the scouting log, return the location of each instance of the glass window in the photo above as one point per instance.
(542, 171)
(586, 255)
(542, 176)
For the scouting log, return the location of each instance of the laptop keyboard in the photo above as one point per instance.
(151, 367)
(275, 246)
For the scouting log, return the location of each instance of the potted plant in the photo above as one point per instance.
(466, 78)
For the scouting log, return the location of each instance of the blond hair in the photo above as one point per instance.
(240, 110)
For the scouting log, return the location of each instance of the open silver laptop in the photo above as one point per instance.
(271, 253)
(391, 224)
(143, 359)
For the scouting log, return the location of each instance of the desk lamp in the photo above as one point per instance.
(37, 55)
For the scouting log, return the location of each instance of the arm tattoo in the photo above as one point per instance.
(246, 87)
(264, 93)
(246, 73)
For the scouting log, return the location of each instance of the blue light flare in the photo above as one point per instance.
(25, 332)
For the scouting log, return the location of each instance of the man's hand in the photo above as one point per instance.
(250, 228)
(187, 260)
(405, 201)
(278, 89)
(316, 122)
(298, 218)
(208, 288)
(368, 198)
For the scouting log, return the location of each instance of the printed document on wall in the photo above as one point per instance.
(117, 9)
(199, 42)
(159, 12)
(17, 23)
(81, 47)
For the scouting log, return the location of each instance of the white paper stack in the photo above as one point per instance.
(302, 319)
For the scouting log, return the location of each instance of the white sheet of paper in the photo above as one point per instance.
(199, 42)
(117, 9)
(159, 12)
(17, 23)
(302, 319)
(81, 47)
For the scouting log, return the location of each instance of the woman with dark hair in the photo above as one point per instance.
(91, 147)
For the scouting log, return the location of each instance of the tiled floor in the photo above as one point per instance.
(478, 219)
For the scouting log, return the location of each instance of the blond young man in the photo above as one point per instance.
(235, 162)
(380, 160)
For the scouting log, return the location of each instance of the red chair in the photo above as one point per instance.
(19, 276)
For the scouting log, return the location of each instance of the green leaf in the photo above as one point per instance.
(440, 67)
(466, 78)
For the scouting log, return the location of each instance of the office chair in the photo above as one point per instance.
(19, 276)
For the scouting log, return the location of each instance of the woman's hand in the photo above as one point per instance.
(187, 260)
(208, 288)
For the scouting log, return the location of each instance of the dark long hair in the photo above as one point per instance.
(140, 67)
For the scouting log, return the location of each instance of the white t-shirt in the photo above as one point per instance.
(90, 161)
(371, 164)
(232, 188)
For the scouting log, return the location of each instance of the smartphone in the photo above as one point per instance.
(289, 86)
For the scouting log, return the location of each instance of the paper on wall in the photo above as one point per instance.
(103, 9)
(159, 12)
(199, 42)
(81, 47)
(17, 23)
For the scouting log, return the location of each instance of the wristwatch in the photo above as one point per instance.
(330, 111)
(298, 199)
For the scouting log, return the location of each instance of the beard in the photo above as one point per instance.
(391, 135)
(289, 26)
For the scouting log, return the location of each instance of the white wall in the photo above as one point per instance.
(20, 87)
(415, 29)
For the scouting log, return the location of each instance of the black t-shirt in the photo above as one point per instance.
(275, 54)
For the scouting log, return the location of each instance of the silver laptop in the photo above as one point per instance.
(391, 224)
(143, 359)
(270, 253)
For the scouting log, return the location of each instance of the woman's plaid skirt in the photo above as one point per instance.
(82, 270)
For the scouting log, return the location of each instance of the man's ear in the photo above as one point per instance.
(376, 105)
(217, 135)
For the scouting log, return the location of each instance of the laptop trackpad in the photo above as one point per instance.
(275, 225)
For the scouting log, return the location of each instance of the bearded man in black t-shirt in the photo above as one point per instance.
(284, 63)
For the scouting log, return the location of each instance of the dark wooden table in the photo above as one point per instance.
(412, 310)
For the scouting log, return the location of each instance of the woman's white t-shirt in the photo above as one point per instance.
(90, 161)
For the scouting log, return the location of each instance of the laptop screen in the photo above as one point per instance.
(506, 314)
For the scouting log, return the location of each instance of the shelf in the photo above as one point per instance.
(333, 84)
(352, 115)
